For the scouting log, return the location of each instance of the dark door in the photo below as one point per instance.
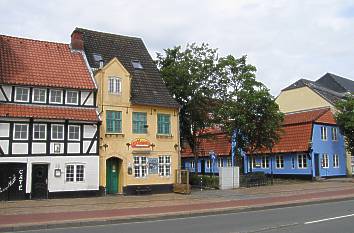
(317, 165)
(112, 175)
(12, 181)
(39, 181)
(202, 166)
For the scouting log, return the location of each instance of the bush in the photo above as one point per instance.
(208, 181)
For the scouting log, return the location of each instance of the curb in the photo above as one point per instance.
(165, 216)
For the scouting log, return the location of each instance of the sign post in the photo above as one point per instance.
(212, 156)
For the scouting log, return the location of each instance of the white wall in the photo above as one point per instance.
(8, 91)
(90, 101)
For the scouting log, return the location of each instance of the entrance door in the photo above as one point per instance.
(317, 165)
(112, 175)
(39, 181)
(202, 166)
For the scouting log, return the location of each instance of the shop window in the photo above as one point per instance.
(39, 95)
(139, 122)
(114, 121)
(21, 94)
(163, 124)
(74, 132)
(39, 131)
(279, 161)
(301, 161)
(164, 165)
(140, 166)
(20, 131)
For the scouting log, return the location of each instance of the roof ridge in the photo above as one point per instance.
(33, 40)
(322, 88)
(307, 110)
(108, 33)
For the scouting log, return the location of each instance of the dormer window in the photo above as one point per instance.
(56, 97)
(114, 85)
(72, 97)
(137, 65)
(21, 94)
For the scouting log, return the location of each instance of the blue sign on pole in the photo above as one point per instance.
(212, 157)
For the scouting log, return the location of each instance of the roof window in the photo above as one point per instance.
(137, 65)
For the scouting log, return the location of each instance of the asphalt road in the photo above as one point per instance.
(334, 217)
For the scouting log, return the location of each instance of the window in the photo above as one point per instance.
(114, 85)
(140, 167)
(335, 161)
(114, 122)
(192, 164)
(325, 161)
(334, 134)
(39, 131)
(228, 162)
(57, 132)
(75, 173)
(74, 132)
(324, 133)
(21, 131)
(72, 97)
(139, 122)
(56, 96)
(279, 161)
(265, 162)
(208, 163)
(253, 162)
(293, 162)
(39, 95)
(163, 124)
(21, 94)
(165, 165)
(137, 64)
(220, 162)
(301, 161)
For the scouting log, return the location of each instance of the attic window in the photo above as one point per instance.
(137, 65)
(98, 59)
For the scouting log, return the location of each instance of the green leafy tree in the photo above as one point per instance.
(188, 74)
(246, 106)
(345, 120)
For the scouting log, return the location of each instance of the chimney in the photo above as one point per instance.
(77, 42)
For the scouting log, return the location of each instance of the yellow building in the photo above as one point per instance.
(139, 135)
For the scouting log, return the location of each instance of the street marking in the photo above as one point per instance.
(329, 219)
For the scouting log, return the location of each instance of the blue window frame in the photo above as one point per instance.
(163, 124)
(114, 122)
(139, 122)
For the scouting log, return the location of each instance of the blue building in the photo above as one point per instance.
(310, 145)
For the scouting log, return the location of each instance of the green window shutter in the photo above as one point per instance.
(114, 122)
(163, 124)
(139, 122)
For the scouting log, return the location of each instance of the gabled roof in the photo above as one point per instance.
(336, 83)
(41, 63)
(147, 87)
(48, 112)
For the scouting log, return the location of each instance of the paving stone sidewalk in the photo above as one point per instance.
(17, 214)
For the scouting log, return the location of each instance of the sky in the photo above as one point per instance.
(285, 39)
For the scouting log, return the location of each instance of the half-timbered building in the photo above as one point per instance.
(49, 124)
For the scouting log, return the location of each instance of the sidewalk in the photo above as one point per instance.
(35, 214)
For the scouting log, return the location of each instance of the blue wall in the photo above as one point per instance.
(186, 164)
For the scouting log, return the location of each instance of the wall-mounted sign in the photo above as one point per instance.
(153, 165)
(56, 148)
(140, 143)
(57, 172)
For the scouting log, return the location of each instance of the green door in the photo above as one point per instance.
(112, 175)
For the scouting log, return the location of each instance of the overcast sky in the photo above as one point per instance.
(285, 39)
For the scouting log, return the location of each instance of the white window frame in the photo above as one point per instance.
(208, 163)
(325, 160)
(22, 88)
(165, 165)
(51, 132)
(334, 134)
(74, 126)
(252, 162)
(265, 162)
(220, 162)
(279, 162)
(116, 87)
(302, 164)
(141, 167)
(14, 133)
(193, 164)
(77, 97)
(45, 131)
(324, 133)
(50, 96)
(335, 161)
(75, 173)
(39, 89)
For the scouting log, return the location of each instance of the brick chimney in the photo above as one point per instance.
(77, 41)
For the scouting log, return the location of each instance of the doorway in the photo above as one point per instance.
(112, 175)
(39, 181)
(317, 165)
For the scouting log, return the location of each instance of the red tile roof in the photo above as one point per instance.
(48, 112)
(41, 63)
(304, 116)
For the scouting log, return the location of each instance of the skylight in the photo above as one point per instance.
(137, 65)
(97, 57)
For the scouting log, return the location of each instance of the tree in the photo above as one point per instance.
(188, 75)
(246, 106)
(345, 120)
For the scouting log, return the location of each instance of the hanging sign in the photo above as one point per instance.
(140, 143)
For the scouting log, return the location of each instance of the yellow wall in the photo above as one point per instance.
(117, 143)
(300, 99)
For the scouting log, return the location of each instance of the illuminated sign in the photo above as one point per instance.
(140, 143)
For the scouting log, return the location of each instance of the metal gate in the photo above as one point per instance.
(12, 181)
